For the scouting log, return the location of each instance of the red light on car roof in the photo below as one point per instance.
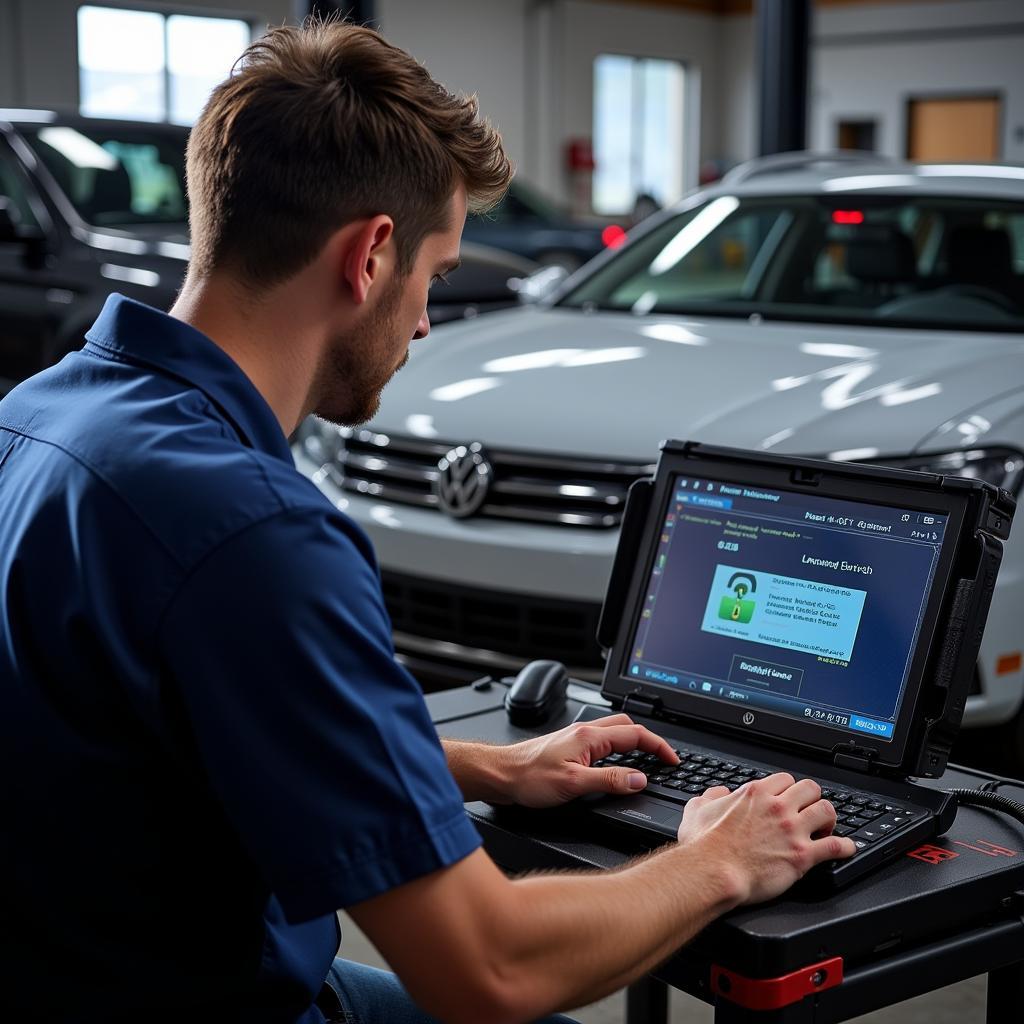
(847, 216)
(613, 236)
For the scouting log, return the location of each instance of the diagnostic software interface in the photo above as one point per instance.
(804, 606)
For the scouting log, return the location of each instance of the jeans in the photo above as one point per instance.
(369, 996)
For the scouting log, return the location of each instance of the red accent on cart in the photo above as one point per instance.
(774, 993)
(932, 854)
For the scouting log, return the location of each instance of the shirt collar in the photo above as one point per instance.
(152, 338)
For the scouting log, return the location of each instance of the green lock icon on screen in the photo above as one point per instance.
(734, 608)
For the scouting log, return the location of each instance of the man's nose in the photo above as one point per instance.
(423, 327)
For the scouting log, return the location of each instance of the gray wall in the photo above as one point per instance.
(689, 37)
(737, 109)
(473, 46)
(869, 62)
(532, 64)
(868, 59)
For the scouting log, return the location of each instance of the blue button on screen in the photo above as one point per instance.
(871, 726)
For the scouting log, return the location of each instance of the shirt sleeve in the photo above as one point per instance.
(316, 741)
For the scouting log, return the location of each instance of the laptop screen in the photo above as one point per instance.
(797, 604)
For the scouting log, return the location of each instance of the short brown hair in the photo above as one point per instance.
(319, 126)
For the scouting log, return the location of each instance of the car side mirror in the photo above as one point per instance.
(10, 218)
(540, 285)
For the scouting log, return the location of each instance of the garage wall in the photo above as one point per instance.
(737, 110)
(530, 61)
(473, 46)
(532, 64)
(590, 29)
(869, 60)
(39, 43)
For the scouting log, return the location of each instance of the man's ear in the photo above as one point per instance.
(369, 255)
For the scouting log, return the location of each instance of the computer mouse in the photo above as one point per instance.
(537, 693)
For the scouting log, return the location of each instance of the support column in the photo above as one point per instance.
(783, 41)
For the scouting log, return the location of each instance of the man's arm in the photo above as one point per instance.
(472, 945)
(551, 769)
(482, 771)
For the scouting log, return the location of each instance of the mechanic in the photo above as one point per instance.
(207, 745)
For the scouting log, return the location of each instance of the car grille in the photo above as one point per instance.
(495, 628)
(536, 488)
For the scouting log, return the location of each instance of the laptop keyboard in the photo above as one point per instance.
(865, 817)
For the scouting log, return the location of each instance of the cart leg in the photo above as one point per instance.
(1005, 994)
(647, 1002)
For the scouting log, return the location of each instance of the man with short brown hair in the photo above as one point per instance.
(207, 742)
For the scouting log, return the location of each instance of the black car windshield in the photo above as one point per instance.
(917, 261)
(116, 176)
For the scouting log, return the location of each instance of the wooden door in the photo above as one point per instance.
(965, 128)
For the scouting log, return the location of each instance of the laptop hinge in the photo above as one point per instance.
(858, 759)
(635, 704)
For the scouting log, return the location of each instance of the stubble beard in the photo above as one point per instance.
(358, 364)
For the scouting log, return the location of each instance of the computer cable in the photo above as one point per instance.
(988, 799)
(986, 796)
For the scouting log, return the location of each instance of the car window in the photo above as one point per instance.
(116, 177)
(729, 262)
(1013, 225)
(920, 261)
(15, 186)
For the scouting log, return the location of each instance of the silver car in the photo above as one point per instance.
(844, 308)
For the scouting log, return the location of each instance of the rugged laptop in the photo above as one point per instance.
(780, 614)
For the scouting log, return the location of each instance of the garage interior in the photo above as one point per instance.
(613, 111)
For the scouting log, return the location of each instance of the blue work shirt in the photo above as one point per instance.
(206, 745)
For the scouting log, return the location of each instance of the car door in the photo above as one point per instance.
(31, 307)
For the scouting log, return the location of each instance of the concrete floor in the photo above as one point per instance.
(958, 1004)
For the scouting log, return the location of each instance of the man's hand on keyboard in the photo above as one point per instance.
(555, 768)
(764, 832)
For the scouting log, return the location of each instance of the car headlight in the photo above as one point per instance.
(1003, 467)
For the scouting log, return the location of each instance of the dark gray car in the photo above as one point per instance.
(90, 206)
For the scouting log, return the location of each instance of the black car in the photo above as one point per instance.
(526, 223)
(90, 206)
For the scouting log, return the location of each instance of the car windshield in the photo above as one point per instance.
(116, 176)
(918, 261)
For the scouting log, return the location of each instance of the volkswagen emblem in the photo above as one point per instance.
(748, 718)
(463, 480)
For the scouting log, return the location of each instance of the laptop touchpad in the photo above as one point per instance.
(643, 811)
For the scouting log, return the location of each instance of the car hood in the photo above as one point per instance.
(613, 385)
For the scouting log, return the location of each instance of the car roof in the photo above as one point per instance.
(21, 117)
(835, 174)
